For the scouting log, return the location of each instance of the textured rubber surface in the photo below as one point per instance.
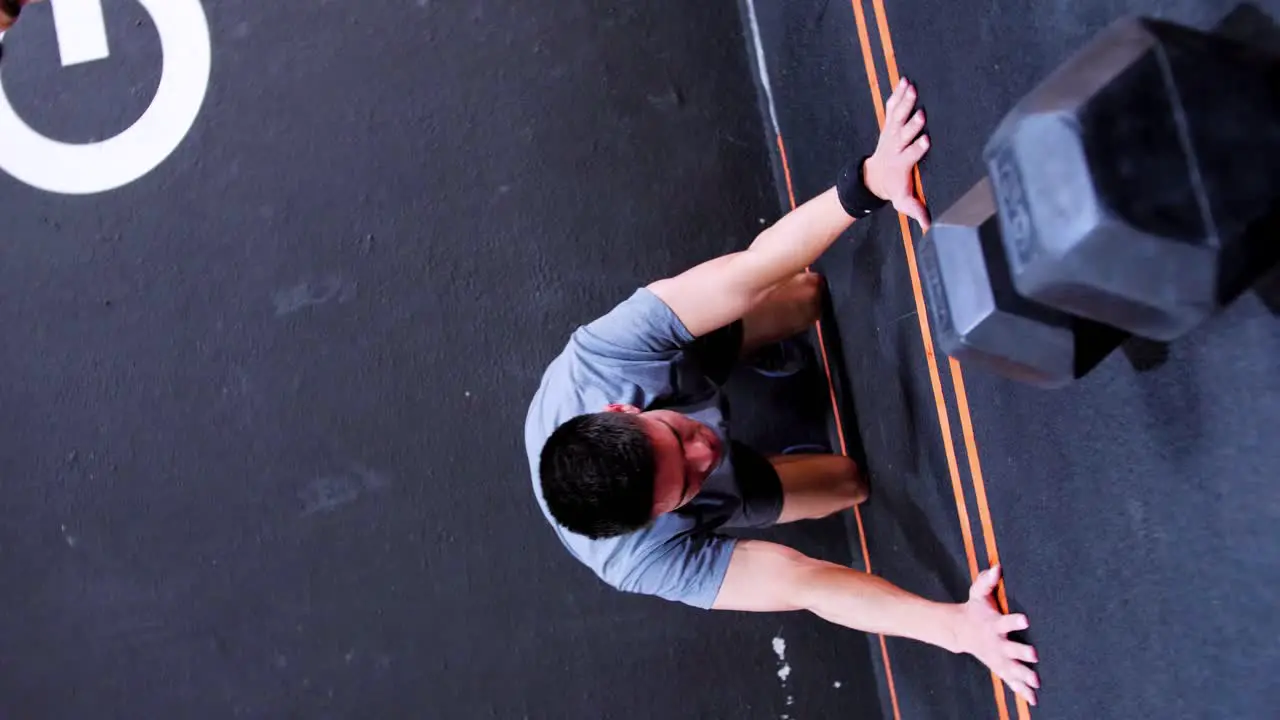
(1134, 511)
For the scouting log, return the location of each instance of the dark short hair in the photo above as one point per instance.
(597, 475)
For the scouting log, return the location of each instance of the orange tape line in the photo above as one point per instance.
(844, 448)
(921, 314)
(962, 400)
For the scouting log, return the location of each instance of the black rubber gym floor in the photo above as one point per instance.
(260, 409)
(1135, 512)
(260, 413)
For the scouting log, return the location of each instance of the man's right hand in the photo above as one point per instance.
(983, 633)
(888, 172)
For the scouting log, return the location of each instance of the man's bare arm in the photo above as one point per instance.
(722, 290)
(765, 577)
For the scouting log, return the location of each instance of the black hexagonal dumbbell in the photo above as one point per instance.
(978, 317)
(1129, 181)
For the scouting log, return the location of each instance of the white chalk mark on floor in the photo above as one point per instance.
(306, 294)
(784, 668)
(326, 494)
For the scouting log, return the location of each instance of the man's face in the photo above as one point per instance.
(685, 452)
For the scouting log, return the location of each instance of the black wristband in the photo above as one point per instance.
(854, 196)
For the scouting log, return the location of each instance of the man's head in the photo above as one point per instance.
(9, 11)
(609, 473)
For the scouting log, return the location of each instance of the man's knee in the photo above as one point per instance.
(802, 297)
(850, 485)
(815, 486)
(790, 309)
(810, 297)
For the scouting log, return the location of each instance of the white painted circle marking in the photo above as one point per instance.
(85, 169)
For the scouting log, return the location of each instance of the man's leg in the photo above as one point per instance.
(786, 488)
(788, 310)
(815, 486)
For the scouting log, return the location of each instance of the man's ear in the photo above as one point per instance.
(628, 409)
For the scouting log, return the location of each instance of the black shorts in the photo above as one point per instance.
(718, 351)
(760, 486)
(758, 483)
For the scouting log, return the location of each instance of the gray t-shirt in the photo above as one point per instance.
(637, 354)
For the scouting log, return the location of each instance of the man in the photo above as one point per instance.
(633, 463)
(9, 11)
